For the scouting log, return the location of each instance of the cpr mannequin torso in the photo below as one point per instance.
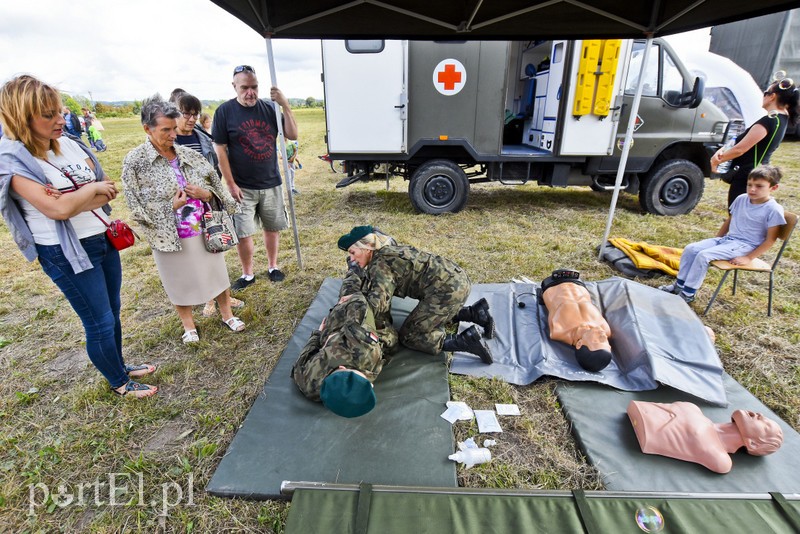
(680, 430)
(573, 319)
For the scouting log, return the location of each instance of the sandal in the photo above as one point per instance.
(139, 391)
(135, 371)
(211, 307)
(234, 323)
(190, 336)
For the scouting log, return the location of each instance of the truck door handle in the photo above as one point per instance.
(401, 106)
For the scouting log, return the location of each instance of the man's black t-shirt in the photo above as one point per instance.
(250, 134)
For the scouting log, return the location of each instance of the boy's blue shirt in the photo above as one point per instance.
(750, 222)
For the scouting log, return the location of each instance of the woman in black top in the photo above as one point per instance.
(762, 138)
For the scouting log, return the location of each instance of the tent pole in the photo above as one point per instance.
(626, 148)
(282, 143)
(288, 487)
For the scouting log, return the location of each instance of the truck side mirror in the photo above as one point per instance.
(692, 99)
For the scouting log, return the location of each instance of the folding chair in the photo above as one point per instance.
(757, 265)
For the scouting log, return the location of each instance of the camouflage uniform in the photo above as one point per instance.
(441, 286)
(349, 338)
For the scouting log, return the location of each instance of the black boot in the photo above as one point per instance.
(468, 341)
(479, 314)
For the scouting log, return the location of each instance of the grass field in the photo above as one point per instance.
(61, 426)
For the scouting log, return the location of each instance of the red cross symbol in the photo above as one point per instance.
(449, 77)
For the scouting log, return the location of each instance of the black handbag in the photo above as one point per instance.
(219, 233)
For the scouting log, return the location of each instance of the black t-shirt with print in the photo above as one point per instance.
(250, 134)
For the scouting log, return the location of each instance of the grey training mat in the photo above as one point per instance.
(403, 441)
(655, 338)
(604, 432)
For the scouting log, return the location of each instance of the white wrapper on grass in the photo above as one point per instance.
(487, 421)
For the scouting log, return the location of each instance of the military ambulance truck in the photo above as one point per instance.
(443, 115)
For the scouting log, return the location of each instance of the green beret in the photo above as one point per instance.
(347, 393)
(358, 232)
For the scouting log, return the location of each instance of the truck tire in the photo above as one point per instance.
(672, 187)
(438, 186)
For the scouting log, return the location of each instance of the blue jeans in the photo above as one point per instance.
(94, 295)
(697, 256)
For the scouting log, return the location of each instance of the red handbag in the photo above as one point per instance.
(119, 234)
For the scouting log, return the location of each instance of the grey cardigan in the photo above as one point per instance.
(16, 160)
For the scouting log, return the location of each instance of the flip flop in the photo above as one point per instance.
(137, 390)
(234, 323)
(135, 371)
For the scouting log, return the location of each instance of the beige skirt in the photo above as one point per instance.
(192, 275)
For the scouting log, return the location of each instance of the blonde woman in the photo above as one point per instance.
(53, 195)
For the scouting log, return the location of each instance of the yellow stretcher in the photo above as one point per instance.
(597, 70)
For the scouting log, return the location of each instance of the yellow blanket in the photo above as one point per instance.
(646, 256)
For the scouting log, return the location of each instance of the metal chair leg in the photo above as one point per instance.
(735, 279)
(769, 299)
(716, 292)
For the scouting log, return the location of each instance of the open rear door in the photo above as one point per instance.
(593, 98)
(365, 96)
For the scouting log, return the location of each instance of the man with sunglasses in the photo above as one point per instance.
(245, 133)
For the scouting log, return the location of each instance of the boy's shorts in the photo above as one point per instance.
(264, 205)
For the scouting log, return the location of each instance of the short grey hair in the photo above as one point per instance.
(155, 107)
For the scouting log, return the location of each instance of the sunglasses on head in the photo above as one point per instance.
(243, 68)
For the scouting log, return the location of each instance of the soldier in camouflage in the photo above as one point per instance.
(347, 340)
(381, 269)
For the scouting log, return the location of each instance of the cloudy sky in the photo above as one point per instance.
(129, 50)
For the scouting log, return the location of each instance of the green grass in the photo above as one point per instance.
(59, 424)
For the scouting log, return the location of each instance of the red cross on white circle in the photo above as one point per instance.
(449, 77)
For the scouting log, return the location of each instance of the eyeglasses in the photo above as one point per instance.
(243, 68)
(188, 116)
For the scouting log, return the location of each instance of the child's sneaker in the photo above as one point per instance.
(686, 297)
(670, 288)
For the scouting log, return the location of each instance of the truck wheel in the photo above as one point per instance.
(438, 186)
(672, 187)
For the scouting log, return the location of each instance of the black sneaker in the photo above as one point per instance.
(276, 275)
(242, 283)
(687, 298)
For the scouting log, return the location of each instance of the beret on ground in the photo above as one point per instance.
(347, 394)
(347, 240)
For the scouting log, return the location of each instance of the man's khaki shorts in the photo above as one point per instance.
(264, 205)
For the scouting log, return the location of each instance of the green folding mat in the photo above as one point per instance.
(386, 510)
(603, 430)
(403, 441)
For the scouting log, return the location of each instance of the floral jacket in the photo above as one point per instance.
(149, 184)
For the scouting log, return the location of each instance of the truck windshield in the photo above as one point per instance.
(672, 82)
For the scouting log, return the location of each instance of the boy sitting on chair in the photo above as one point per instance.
(750, 230)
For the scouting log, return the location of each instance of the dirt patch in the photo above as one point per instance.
(67, 363)
(167, 436)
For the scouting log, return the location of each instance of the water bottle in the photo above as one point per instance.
(470, 457)
(725, 166)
